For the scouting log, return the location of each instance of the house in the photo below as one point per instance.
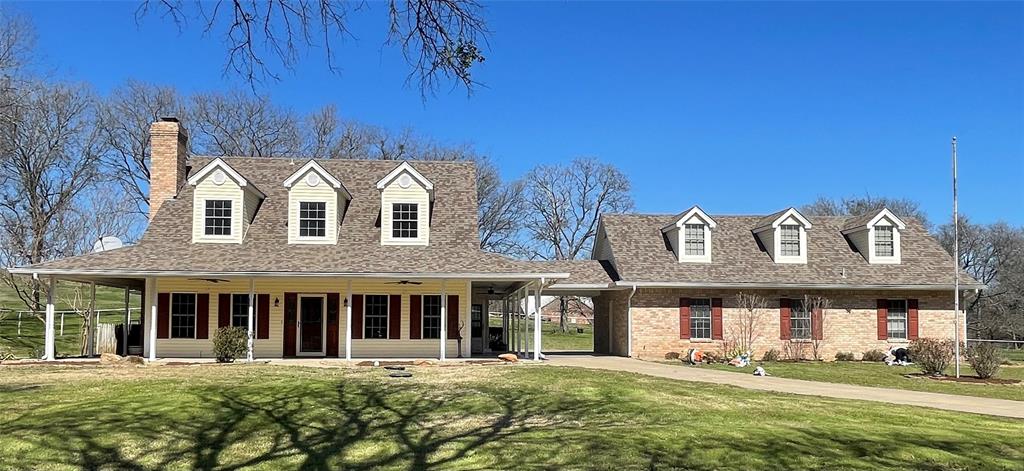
(381, 259)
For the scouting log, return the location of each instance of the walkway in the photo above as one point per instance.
(951, 402)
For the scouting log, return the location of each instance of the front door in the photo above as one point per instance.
(311, 325)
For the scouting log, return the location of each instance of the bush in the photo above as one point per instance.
(932, 355)
(230, 343)
(985, 358)
(844, 356)
(771, 355)
(672, 356)
(873, 355)
(712, 357)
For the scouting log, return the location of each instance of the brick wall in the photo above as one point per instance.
(168, 149)
(849, 326)
(610, 323)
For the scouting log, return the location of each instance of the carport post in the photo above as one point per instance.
(94, 318)
(151, 293)
(127, 320)
(49, 350)
(536, 320)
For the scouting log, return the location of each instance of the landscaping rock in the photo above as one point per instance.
(508, 357)
(134, 360)
(423, 363)
(110, 358)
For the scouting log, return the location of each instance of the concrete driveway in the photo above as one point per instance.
(951, 402)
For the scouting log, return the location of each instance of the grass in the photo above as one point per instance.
(29, 343)
(552, 338)
(471, 417)
(880, 375)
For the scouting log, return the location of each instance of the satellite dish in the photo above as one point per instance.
(107, 243)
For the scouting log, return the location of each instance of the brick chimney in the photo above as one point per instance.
(169, 146)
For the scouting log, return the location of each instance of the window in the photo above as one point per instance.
(790, 240)
(700, 318)
(799, 320)
(404, 221)
(375, 318)
(431, 317)
(883, 241)
(240, 311)
(183, 315)
(218, 217)
(693, 239)
(897, 319)
(312, 219)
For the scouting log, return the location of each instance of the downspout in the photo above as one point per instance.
(629, 323)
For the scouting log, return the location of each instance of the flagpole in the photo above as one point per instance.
(956, 267)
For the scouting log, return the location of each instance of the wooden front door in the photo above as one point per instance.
(311, 325)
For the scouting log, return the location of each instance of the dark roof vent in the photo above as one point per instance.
(169, 119)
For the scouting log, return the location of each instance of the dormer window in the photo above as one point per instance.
(689, 235)
(316, 205)
(883, 241)
(405, 221)
(876, 236)
(312, 219)
(218, 218)
(790, 240)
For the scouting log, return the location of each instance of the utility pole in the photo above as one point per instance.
(956, 267)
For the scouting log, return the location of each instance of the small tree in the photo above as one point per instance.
(745, 330)
(818, 306)
(230, 343)
(932, 355)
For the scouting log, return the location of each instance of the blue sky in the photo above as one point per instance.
(741, 108)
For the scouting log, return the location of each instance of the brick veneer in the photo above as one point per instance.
(168, 143)
(850, 325)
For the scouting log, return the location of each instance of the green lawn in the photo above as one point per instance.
(471, 417)
(880, 375)
(30, 342)
(552, 338)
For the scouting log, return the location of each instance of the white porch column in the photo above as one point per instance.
(127, 320)
(348, 322)
(151, 294)
(525, 296)
(536, 320)
(94, 317)
(250, 328)
(444, 320)
(49, 349)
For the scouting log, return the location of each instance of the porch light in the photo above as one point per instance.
(277, 302)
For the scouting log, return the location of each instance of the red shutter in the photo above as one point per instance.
(911, 319)
(453, 316)
(163, 315)
(333, 305)
(291, 317)
(883, 314)
(716, 319)
(395, 317)
(684, 318)
(784, 313)
(816, 328)
(262, 316)
(415, 316)
(357, 316)
(223, 310)
(203, 316)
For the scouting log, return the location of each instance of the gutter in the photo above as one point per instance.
(698, 284)
(144, 273)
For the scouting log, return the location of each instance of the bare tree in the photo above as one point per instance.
(440, 39)
(501, 211)
(566, 203)
(238, 124)
(818, 306)
(856, 206)
(746, 329)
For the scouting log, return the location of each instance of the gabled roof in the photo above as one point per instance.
(686, 215)
(405, 167)
(313, 165)
(865, 221)
(773, 220)
(739, 259)
(219, 163)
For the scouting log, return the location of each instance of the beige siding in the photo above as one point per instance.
(276, 287)
(206, 189)
(252, 203)
(394, 193)
(768, 240)
(860, 240)
(323, 192)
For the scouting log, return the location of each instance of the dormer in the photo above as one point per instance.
(784, 236)
(316, 205)
(224, 203)
(876, 236)
(690, 235)
(405, 199)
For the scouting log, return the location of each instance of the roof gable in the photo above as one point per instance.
(312, 165)
(219, 164)
(866, 221)
(774, 220)
(685, 216)
(406, 168)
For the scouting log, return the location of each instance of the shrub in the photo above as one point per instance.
(985, 358)
(771, 355)
(672, 356)
(794, 350)
(844, 356)
(932, 355)
(712, 357)
(230, 343)
(873, 355)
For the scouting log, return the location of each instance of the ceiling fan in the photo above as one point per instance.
(209, 280)
(406, 282)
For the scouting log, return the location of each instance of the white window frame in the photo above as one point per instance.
(873, 255)
(423, 316)
(195, 315)
(394, 221)
(298, 220)
(231, 220)
(699, 237)
(806, 314)
(710, 318)
(889, 318)
(784, 242)
(387, 316)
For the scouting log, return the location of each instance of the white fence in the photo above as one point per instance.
(39, 315)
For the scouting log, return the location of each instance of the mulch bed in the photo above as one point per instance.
(964, 379)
